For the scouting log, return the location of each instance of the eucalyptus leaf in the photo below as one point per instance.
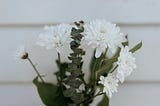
(73, 82)
(69, 92)
(75, 31)
(72, 66)
(74, 45)
(76, 76)
(77, 98)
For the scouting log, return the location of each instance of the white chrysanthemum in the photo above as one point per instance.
(21, 53)
(55, 36)
(100, 34)
(110, 84)
(126, 64)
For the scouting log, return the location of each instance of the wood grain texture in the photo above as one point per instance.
(15, 71)
(128, 95)
(22, 20)
(53, 11)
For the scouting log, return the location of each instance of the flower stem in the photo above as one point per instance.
(84, 81)
(59, 59)
(98, 94)
(61, 76)
(94, 74)
(114, 68)
(35, 69)
(59, 65)
(94, 67)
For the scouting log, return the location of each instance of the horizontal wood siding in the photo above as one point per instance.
(22, 20)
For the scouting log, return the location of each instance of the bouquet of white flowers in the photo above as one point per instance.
(106, 72)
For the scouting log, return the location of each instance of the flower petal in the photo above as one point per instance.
(98, 52)
(120, 76)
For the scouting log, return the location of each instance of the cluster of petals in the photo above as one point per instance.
(100, 35)
(55, 37)
(126, 64)
(110, 84)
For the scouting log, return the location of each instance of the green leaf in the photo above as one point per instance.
(126, 43)
(46, 91)
(116, 55)
(95, 65)
(62, 70)
(48, 94)
(95, 62)
(60, 97)
(137, 47)
(105, 69)
(104, 101)
(109, 63)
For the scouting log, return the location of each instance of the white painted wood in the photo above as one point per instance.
(135, 94)
(13, 70)
(129, 94)
(19, 95)
(53, 11)
(21, 21)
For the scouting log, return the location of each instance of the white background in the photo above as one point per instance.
(22, 20)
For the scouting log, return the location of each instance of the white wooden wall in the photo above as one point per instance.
(22, 20)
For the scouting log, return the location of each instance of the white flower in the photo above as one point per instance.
(55, 36)
(100, 34)
(126, 64)
(21, 53)
(110, 84)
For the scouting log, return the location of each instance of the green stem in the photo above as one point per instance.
(84, 81)
(114, 68)
(59, 65)
(101, 62)
(61, 76)
(35, 69)
(94, 67)
(94, 74)
(98, 94)
(59, 59)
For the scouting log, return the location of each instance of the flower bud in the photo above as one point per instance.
(24, 56)
(21, 53)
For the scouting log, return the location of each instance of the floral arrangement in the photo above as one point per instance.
(106, 71)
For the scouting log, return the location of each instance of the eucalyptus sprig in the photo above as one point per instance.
(76, 77)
